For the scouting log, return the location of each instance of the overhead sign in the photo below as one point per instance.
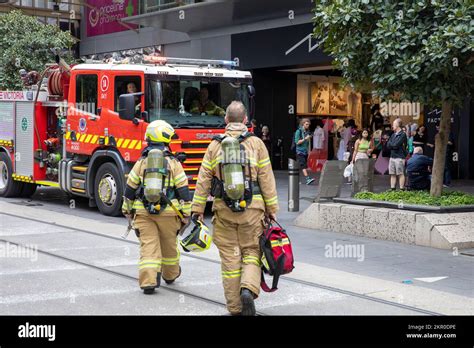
(103, 16)
(280, 47)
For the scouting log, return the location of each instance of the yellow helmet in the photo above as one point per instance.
(200, 238)
(159, 132)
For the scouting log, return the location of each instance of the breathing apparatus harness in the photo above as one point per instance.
(167, 193)
(220, 188)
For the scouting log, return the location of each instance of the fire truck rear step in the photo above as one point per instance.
(72, 177)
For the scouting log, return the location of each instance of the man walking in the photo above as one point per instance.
(238, 223)
(302, 141)
(397, 144)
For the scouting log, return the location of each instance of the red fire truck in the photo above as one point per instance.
(84, 132)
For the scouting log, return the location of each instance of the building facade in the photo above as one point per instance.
(63, 13)
(271, 38)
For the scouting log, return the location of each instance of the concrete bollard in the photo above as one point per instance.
(293, 185)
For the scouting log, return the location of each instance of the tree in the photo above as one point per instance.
(25, 43)
(421, 51)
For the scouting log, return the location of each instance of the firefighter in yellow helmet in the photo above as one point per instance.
(237, 172)
(157, 197)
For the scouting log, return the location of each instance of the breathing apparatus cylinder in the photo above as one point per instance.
(153, 182)
(233, 173)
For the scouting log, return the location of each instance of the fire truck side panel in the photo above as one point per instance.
(24, 137)
(7, 121)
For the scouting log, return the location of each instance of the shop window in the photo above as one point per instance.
(319, 95)
(86, 93)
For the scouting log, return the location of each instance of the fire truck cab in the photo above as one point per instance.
(84, 132)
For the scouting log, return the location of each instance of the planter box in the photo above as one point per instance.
(418, 227)
(404, 206)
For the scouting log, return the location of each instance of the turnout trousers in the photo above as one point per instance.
(158, 248)
(236, 235)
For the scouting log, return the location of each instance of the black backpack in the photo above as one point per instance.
(293, 143)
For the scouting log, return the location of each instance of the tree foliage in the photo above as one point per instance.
(25, 43)
(422, 49)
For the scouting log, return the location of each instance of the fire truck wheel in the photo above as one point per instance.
(108, 190)
(28, 190)
(8, 186)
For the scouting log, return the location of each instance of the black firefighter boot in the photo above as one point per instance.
(172, 280)
(151, 289)
(248, 304)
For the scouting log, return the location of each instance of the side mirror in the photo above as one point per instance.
(127, 107)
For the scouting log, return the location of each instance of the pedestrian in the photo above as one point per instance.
(348, 133)
(341, 144)
(237, 225)
(448, 164)
(397, 144)
(377, 118)
(256, 128)
(408, 133)
(302, 140)
(419, 170)
(350, 149)
(267, 140)
(363, 146)
(376, 142)
(351, 144)
(154, 216)
(449, 161)
(419, 138)
(318, 136)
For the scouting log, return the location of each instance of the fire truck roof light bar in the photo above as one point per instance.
(192, 61)
(153, 60)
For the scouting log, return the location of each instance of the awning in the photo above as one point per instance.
(218, 14)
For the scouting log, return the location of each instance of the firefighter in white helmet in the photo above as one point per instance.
(236, 170)
(158, 198)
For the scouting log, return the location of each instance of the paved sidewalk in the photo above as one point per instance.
(387, 260)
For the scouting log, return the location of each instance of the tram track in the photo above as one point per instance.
(119, 274)
(205, 259)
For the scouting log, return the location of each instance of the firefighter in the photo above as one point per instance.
(204, 105)
(243, 186)
(157, 199)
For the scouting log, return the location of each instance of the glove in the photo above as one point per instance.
(127, 207)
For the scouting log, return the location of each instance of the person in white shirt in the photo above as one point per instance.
(318, 137)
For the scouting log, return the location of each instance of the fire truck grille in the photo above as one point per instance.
(195, 145)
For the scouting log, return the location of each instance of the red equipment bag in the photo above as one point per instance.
(277, 255)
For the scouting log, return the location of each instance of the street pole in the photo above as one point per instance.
(293, 185)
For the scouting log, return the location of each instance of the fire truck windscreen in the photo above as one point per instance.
(192, 103)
